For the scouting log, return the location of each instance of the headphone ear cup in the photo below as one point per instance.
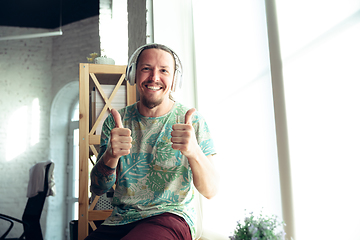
(131, 74)
(177, 81)
(174, 82)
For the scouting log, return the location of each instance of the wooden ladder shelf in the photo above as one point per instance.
(90, 76)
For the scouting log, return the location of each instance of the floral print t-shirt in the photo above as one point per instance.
(153, 178)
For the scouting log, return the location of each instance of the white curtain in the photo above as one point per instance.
(320, 44)
(235, 96)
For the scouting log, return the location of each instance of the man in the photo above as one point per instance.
(155, 151)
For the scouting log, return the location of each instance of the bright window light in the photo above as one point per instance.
(114, 32)
(321, 78)
(18, 133)
(75, 115)
(35, 122)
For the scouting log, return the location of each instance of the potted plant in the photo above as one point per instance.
(259, 228)
(100, 59)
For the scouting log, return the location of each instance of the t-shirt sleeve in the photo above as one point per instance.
(203, 135)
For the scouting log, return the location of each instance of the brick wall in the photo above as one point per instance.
(25, 75)
(79, 40)
(38, 69)
(46, 69)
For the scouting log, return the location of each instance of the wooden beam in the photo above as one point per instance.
(83, 227)
(108, 69)
(94, 139)
(130, 94)
(95, 215)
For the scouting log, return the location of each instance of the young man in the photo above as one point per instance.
(155, 151)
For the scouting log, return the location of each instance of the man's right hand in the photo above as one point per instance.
(119, 143)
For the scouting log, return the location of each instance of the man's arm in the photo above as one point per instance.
(205, 176)
(103, 175)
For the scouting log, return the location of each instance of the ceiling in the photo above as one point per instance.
(45, 13)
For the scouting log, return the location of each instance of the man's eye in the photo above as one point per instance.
(145, 69)
(164, 71)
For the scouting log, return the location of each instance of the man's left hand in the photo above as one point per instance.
(183, 136)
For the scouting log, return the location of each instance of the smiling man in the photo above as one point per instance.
(154, 75)
(156, 151)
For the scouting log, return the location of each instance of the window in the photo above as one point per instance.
(73, 167)
(224, 51)
(321, 59)
(225, 47)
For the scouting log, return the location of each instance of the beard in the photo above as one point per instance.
(150, 104)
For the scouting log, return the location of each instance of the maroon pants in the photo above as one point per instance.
(164, 226)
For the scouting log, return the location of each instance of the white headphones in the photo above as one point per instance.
(131, 68)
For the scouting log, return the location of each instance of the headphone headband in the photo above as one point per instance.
(131, 67)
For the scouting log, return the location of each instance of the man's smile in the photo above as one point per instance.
(154, 88)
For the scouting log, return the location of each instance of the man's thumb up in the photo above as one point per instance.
(119, 141)
(117, 118)
(188, 115)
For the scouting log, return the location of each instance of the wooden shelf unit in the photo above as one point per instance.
(90, 76)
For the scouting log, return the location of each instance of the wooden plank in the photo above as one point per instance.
(92, 206)
(94, 139)
(118, 84)
(93, 226)
(94, 151)
(102, 113)
(95, 215)
(106, 100)
(83, 228)
(130, 94)
(108, 69)
(98, 86)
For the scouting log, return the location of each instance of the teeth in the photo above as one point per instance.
(153, 87)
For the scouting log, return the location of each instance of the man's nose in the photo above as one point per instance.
(155, 75)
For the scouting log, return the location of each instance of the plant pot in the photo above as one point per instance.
(104, 60)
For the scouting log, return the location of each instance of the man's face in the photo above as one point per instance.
(154, 76)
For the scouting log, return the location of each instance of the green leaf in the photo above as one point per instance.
(160, 176)
(134, 168)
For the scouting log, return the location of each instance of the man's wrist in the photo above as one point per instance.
(110, 160)
(104, 169)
